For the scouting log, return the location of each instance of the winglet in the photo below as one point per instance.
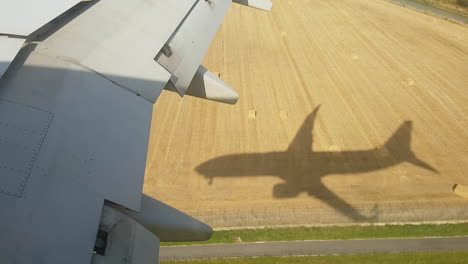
(260, 4)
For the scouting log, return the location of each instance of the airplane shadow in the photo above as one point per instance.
(302, 169)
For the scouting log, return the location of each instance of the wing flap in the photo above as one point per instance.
(260, 4)
(185, 50)
(119, 39)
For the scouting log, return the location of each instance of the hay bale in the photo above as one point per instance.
(462, 3)
(461, 190)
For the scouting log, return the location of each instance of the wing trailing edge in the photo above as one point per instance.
(184, 51)
(260, 4)
(118, 39)
(186, 48)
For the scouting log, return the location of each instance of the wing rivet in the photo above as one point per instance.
(210, 2)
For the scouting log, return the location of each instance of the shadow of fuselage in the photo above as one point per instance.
(302, 169)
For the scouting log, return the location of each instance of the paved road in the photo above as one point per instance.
(299, 248)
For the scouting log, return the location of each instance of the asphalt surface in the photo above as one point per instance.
(303, 248)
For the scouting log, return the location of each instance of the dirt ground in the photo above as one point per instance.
(349, 111)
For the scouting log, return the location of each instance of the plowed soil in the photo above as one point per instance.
(349, 111)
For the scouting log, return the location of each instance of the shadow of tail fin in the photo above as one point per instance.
(304, 137)
(399, 145)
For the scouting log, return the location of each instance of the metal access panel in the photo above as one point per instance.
(93, 150)
(22, 131)
(187, 47)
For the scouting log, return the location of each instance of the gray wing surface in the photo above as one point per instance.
(77, 87)
(9, 47)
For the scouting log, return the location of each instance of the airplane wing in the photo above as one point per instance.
(77, 85)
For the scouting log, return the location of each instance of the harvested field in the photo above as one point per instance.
(350, 111)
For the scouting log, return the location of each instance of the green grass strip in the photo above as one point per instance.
(411, 258)
(332, 233)
(457, 6)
